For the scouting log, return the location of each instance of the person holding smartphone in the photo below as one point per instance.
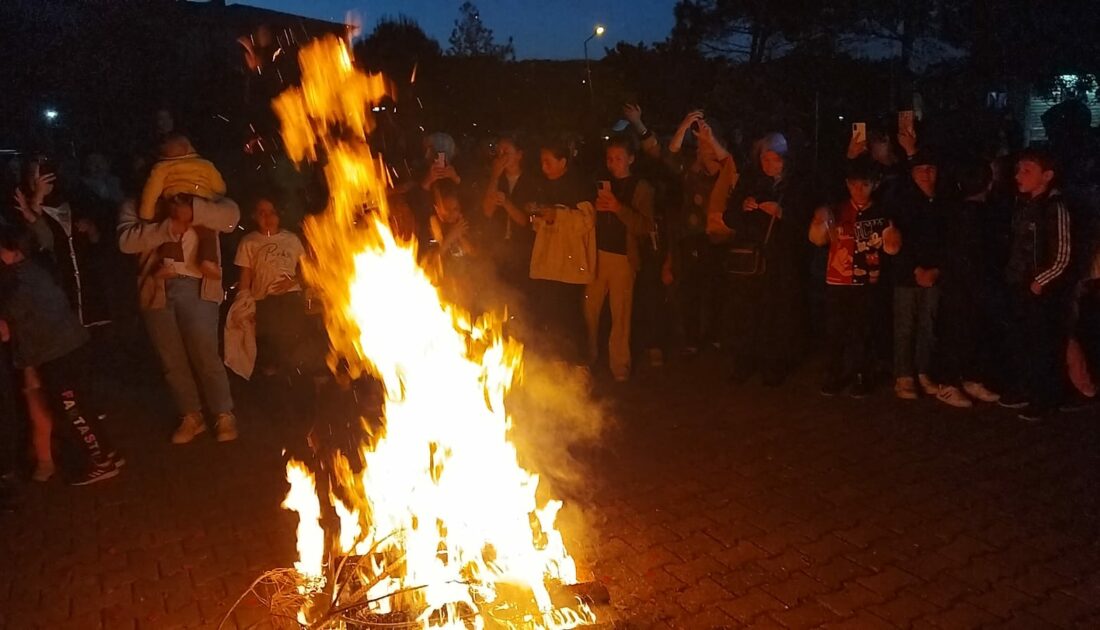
(507, 232)
(624, 214)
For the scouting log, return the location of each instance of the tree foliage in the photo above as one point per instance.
(471, 38)
(396, 47)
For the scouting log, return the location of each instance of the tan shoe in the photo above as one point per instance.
(930, 387)
(906, 388)
(980, 392)
(191, 426)
(950, 395)
(225, 428)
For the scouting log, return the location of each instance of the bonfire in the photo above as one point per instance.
(441, 526)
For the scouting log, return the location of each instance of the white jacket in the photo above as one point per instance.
(565, 250)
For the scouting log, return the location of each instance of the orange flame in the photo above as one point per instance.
(451, 518)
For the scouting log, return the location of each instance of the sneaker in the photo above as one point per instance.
(861, 387)
(1013, 401)
(191, 426)
(905, 388)
(1077, 403)
(1033, 413)
(953, 396)
(977, 391)
(832, 387)
(225, 428)
(106, 470)
(43, 471)
(929, 386)
(656, 358)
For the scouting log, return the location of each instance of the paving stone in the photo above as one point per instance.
(763, 509)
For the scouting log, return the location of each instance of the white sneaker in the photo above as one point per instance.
(977, 391)
(225, 428)
(905, 388)
(191, 426)
(928, 385)
(951, 395)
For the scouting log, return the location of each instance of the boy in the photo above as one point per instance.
(46, 335)
(1039, 285)
(858, 233)
(181, 171)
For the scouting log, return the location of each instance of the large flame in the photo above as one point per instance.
(442, 509)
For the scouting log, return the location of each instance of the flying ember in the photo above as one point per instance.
(441, 526)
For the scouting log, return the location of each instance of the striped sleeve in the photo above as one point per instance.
(1061, 250)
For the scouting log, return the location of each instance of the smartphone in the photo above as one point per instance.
(859, 132)
(905, 121)
(604, 185)
(46, 166)
(441, 159)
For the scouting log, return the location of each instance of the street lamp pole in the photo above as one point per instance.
(596, 32)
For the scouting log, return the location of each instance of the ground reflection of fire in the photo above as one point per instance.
(441, 527)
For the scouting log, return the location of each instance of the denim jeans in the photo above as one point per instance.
(185, 334)
(914, 329)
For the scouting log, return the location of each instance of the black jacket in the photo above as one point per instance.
(922, 221)
(1041, 242)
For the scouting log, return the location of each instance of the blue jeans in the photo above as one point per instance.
(185, 334)
(914, 329)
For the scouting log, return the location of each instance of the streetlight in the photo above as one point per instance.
(596, 32)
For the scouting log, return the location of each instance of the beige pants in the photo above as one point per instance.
(614, 277)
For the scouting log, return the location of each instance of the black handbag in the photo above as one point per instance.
(748, 258)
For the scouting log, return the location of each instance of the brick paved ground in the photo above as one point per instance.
(709, 506)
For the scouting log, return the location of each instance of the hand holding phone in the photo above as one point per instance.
(905, 122)
(859, 132)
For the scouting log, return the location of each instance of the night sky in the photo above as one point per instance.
(543, 29)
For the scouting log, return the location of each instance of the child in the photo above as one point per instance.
(181, 171)
(857, 233)
(1040, 286)
(46, 335)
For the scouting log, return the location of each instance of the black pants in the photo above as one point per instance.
(281, 329)
(651, 316)
(701, 291)
(65, 382)
(9, 414)
(1038, 346)
(962, 352)
(560, 320)
(1088, 327)
(849, 330)
(763, 323)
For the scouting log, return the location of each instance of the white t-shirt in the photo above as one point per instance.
(270, 257)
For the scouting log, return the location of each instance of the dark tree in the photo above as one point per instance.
(471, 38)
(749, 30)
(395, 47)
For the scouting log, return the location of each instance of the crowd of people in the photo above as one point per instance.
(974, 281)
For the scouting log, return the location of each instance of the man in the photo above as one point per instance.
(180, 306)
(1040, 287)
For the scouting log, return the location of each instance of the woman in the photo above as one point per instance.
(563, 259)
(268, 258)
(764, 265)
(624, 214)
